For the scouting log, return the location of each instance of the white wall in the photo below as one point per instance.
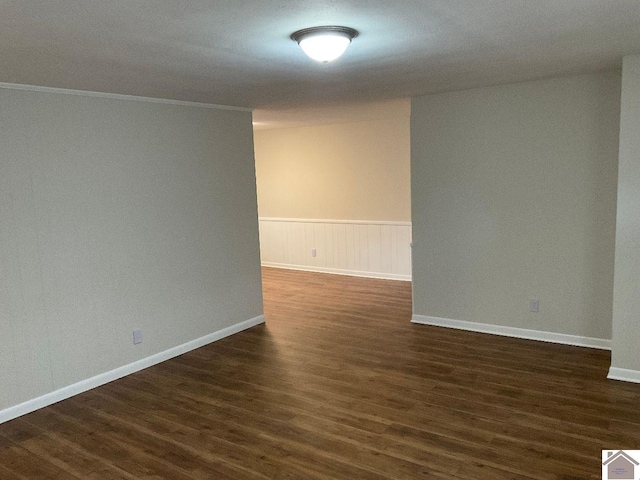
(117, 215)
(513, 199)
(626, 306)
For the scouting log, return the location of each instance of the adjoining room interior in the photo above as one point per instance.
(147, 150)
(334, 188)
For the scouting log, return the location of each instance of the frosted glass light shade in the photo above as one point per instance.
(324, 44)
(325, 47)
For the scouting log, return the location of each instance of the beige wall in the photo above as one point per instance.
(118, 215)
(513, 199)
(346, 171)
(626, 305)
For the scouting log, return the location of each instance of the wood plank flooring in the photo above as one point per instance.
(339, 385)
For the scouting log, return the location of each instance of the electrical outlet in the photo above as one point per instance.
(534, 305)
(313, 252)
(137, 337)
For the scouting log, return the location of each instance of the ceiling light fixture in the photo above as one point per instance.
(324, 44)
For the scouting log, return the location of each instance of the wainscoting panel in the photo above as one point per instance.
(349, 247)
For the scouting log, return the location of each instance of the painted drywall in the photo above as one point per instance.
(626, 304)
(118, 215)
(514, 199)
(345, 171)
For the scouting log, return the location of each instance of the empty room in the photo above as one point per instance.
(343, 240)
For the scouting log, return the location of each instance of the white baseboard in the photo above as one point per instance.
(542, 336)
(624, 375)
(104, 378)
(337, 271)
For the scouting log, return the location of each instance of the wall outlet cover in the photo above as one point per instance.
(534, 306)
(137, 337)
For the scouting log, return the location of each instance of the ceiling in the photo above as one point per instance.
(238, 52)
(345, 112)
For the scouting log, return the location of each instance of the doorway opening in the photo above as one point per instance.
(334, 189)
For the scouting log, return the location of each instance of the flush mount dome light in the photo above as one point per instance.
(324, 44)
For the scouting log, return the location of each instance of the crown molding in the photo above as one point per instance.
(118, 96)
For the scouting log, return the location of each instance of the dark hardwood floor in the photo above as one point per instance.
(338, 384)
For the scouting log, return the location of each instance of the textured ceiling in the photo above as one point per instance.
(238, 52)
